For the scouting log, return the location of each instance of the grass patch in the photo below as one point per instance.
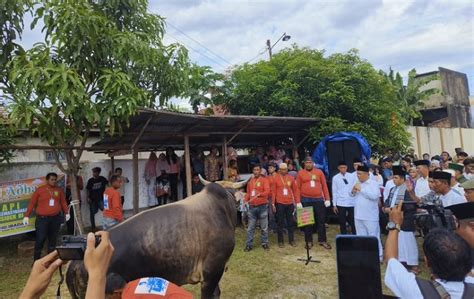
(256, 274)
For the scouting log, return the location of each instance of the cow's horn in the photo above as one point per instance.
(203, 181)
(240, 185)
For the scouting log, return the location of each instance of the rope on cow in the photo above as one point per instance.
(76, 220)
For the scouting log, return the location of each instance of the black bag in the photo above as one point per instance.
(433, 290)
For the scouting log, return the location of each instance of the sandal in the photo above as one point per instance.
(325, 245)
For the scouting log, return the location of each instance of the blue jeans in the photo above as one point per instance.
(108, 223)
(260, 213)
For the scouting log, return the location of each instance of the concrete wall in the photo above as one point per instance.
(434, 140)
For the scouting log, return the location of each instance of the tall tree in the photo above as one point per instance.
(205, 85)
(411, 97)
(343, 90)
(11, 26)
(100, 61)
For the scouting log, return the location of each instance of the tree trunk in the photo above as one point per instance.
(76, 203)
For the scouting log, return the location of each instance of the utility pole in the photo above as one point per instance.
(269, 47)
(285, 37)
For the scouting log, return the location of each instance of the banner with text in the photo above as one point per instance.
(14, 199)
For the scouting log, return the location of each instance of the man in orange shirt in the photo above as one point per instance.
(112, 203)
(314, 193)
(256, 197)
(47, 201)
(285, 196)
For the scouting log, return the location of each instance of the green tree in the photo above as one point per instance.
(205, 84)
(411, 97)
(343, 90)
(100, 61)
(11, 26)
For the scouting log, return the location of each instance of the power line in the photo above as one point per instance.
(197, 51)
(262, 51)
(199, 43)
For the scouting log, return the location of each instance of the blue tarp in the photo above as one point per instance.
(320, 157)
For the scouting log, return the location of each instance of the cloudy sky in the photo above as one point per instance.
(403, 34)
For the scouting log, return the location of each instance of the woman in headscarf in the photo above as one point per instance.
(150, 178)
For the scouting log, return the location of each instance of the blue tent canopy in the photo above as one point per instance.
(320, 153)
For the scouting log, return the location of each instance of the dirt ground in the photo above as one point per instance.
(256, 274)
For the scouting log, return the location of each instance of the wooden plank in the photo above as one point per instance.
(187, 160)
(224, 158)
(135, 181)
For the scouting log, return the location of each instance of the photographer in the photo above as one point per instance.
(447, 256)
(96, 261)
(407, 247)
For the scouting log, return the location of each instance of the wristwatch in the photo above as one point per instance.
(392, 225)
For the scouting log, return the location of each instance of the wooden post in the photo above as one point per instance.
(441, 137)
(461, 138)
(224, 157)
(135, 181)
(187, 166)
(112, 164)
(418, 143)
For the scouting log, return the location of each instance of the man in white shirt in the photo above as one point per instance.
(442, 186)
(366, 194)
(343, 203)
(469, 168)
(447, 255)
(422, 186)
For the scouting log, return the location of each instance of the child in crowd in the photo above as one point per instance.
(162, 188)
(197, 186)
(112, 213)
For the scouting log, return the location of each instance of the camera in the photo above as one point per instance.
(436, 216)
(73, 247)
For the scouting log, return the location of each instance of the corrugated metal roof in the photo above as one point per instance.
(166, 128)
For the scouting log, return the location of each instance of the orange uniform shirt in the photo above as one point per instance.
(112, 204)
(258, 190)
(154, 288)
(285, 190)
(47, 201)
(312, 184)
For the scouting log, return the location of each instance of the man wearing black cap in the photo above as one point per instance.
(343, 204)
(422, 186)
(366, 194)
(442, 186)
(464, 214)
(407, 247)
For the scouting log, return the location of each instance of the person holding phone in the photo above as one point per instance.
(407, 247)
(447, 256)
(366, 195)
(343, 203)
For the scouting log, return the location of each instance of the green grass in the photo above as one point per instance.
(256, 274)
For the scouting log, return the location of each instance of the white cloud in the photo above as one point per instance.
(403, 34)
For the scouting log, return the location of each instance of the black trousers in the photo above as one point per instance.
(47, 227)
(93, 208)
(173, 178)
(284, 214)
(346, 215)
(319, 211)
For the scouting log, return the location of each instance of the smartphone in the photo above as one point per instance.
(358, 267)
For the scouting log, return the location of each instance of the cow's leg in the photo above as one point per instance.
(210, 284)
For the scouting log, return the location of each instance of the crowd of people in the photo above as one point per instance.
(365, 201)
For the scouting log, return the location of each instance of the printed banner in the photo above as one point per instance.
(14, 199)
(305, 216)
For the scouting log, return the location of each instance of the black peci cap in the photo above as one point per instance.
(422, 162)
(364, 168)
(463, 210)
(398, 170)
(442, 175)
(342, 163)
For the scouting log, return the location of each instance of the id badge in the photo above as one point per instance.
(285, 191)
(51, 202)
(253, 193)
(312, 184)
(106, 202)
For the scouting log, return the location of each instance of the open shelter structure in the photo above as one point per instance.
(152, 130)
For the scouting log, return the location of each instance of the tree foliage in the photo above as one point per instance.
(100, 61)
(343, 90)
(204, 85)
(411, 96)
